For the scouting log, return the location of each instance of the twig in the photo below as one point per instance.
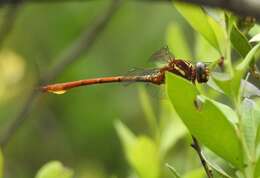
(197, 148)
(241, 7)
(9, 21)
(255, 73)
(19, 119)
(82, 44)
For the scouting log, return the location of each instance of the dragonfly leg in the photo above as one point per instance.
(198, 104)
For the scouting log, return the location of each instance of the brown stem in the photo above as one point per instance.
(197, 148)
(255, 73)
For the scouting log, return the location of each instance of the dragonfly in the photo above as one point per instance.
(198, 72)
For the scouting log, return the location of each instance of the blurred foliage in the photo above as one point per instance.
(54, 169)
(76, 128)
(81, 128)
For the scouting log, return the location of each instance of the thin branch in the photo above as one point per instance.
(83, 43)
(70, 55)
(9, 20)
(4, 2)
(240, 7)
(19, 119)
(197, 148)
(255, 73)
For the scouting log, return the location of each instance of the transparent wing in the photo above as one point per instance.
(141, 71)
(163, 54)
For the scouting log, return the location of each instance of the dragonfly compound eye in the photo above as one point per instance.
(202, 72)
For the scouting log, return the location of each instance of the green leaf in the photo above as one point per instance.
(202, 23)
(1, 164)
(177, 43)
(230, 19)
(204, 51)
(171, 134)
(249, 57)
(224, 81)
(197, 173)
(171, 126)
(255, 38)
(250, 125)
(231, 84)
(217, 170)
(256, 114)
(241, 69)
(54, 169)
(173, 171)
(148, 110)
(126, 136)
(227, 111)
(220, 34)
(257, 111)
(208, 125)
(255, 30)
(144, 158)
(141, 152)
(257, 169)
(239, 41)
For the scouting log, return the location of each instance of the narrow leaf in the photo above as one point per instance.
(249, 125)
(220, 34)
(239, 41)
(257, 169)
(141, 152)
(241, 69)
(249, 57)
(144, 158)
(171, 126)
(171, 134)
(126, 136)
(148, 110)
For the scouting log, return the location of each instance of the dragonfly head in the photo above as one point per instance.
(202, 72)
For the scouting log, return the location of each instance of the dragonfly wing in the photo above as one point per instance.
(141, 71)
(163, 54)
